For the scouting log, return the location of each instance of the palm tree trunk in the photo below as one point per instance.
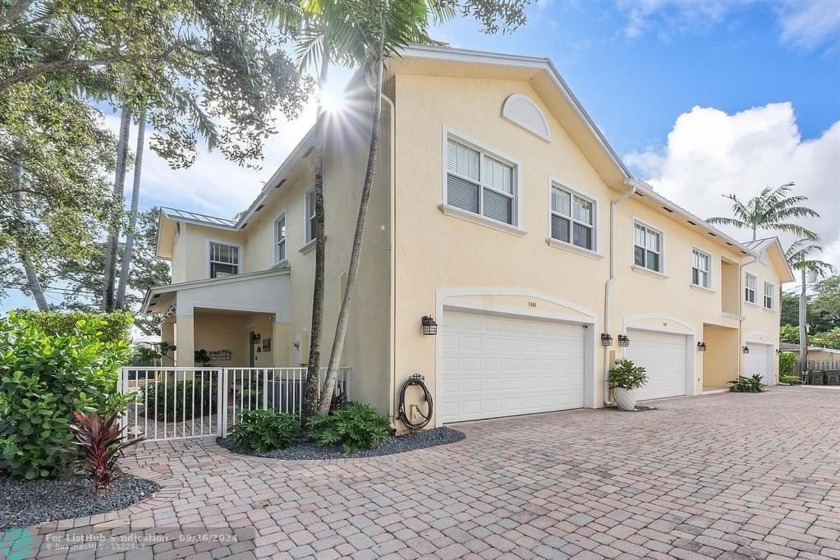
(111, 249)
(313, 367)
(32, 282)
(803, 325)
(355, 255)
(132, 219)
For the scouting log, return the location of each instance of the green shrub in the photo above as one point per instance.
(44, 377)
(353, 426)
(627, 375)
(115, 327)
(790, 379)
(181, 400)
(786, 362)
(747, 384)
(265, 430)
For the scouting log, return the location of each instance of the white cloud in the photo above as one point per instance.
(805, 24)
(668, 16)
(809, 24)
(710, 153)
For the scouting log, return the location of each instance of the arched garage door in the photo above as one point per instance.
(495, 366)
(664, 357)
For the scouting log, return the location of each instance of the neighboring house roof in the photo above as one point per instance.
(795, 348)
(196, 218)
(773, 247)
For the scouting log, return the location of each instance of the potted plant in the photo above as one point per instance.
(625, 378)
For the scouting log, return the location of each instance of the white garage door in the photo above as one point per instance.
(758, 361)
(663, 355)
(499, 366)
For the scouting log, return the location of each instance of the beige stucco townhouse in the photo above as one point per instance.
(500, 211)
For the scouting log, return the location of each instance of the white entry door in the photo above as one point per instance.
(496, 366)
(664, 357)
(758, 361)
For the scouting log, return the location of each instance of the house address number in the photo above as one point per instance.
(532, 304)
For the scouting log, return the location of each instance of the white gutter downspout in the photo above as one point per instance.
(632, 183)
(392, 342)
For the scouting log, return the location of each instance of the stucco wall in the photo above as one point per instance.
(762, 324)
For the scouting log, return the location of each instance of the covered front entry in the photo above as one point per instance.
(720, 360)
(664, 357)
(498, 365)
(758, 361)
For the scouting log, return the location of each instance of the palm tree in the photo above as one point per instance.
(128, 249)
(770, 210)
(353, 33)
(798, 257)
(112, 245)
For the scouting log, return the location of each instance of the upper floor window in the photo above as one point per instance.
(768, 295)
(479, 182)
(311, 222)
(750, 283)
(280, 237)
(572, 218)
(701, 269)
(224, 260)
(647, 248)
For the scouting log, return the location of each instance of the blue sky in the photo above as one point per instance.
(699, 98)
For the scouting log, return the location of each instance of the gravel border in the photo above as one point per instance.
(24, 503)
(304, 450)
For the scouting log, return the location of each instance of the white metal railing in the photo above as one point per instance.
(183, 402)
(280, 389)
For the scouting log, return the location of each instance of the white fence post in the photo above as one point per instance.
(222, 425)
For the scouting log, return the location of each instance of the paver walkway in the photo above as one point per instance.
(721, 476)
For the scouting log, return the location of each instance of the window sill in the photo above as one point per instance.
(733, 316)
(282, 265)
(573, 248)
(703, 289)
(769, 309)
(649, 272)
(481, 220)
(751, 304)
(308, 248)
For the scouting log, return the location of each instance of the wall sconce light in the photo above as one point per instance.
(745, 349)
(701, 346)
(606, 339)
(255, 338)
(429, 325)
(623, 340)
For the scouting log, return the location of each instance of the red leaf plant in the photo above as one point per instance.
(100, 443)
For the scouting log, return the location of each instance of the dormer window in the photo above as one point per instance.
(224, 260)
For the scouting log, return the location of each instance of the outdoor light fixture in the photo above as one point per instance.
(255, 338)
(745, 350)
(623, 340)
(606, 339)
(429, 325)
(701, 346)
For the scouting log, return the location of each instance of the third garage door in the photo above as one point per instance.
(663, 355)
(502, 366)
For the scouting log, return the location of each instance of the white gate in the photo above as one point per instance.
(186, 402)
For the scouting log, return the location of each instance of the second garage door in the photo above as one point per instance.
(758, 361)
(496, 366)
(663, 355)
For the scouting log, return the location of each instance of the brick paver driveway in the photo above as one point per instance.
(730, 476)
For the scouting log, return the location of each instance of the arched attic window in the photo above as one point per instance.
(521, 110)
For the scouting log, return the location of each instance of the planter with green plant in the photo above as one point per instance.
(625, 378)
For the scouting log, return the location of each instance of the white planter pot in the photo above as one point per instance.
(625, 399)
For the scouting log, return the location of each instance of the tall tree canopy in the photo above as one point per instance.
(771, 209)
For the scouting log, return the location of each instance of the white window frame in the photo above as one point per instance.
(240, 255)
(708, 272)
(747, 288)
(484, 151)
(769, 288)
(308, 216)
(278, 257)
(661, 253)
(554, 184)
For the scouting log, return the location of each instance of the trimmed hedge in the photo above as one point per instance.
(44, 377)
